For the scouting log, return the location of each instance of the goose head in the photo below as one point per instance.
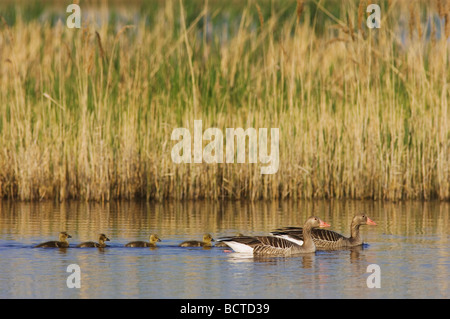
(154, 238)
(63, 236)
(315, 222)
(363, 219)
(207, 238)
(102, 238)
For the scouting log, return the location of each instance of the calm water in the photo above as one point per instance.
(410, 244)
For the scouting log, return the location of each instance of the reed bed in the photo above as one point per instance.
(363, 113)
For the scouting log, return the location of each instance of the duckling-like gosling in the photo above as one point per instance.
(90, 244)
(207, 239)
(154, 238)
(62, 243)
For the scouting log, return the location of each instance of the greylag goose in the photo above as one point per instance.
(152, 243)
(327, 239)
(275, 246)
(207, 239)
(62, 243)
(90, 244)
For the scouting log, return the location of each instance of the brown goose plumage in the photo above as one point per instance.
(62, 243)
(275, 246)
(90, 244)
(152, 243)
(328, 239)
(222, 244)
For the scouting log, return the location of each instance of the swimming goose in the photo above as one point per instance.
(62, 243)
(207, 239)
(153, 239)
(90, 244)
(275, 246)
(327, 239)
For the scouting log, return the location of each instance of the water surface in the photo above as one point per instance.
(410, 244)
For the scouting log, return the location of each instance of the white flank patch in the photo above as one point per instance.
(238, 247)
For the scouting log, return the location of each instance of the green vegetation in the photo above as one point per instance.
(88, 114)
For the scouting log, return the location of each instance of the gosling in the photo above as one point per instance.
(153, 240)
(90, 244)
(62, 243)
(207, 239)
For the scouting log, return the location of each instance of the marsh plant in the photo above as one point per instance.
(362, 113)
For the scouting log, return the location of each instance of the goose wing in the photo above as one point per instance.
(294, 234)
(269, 245)
(245, 240)
(261, 245)
(317, 233)
(326, 235)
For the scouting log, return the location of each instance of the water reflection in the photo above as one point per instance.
(24, 222)
(305, 261)
(410, 244)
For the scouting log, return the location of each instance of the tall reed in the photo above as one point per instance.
(363, 113)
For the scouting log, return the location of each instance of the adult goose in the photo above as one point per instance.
(275, 246)
(207, 239)
(62, 243)
(152, 243)
(90, 244)
(327, 239)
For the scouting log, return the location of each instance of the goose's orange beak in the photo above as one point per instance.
(323, 224)
(370, 222)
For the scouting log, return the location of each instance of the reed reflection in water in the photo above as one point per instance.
(410, 243)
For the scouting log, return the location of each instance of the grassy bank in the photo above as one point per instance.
(88, 114)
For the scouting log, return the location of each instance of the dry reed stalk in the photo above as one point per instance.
(260, 15)
(299, 10)
(5, 25)
(99, 42)
(440, 8)
(189, 51)
(418, 21)
(446, 14)
(433, 33)
(412, 20)
(350, 27)
(341, 137)
(361, 14)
